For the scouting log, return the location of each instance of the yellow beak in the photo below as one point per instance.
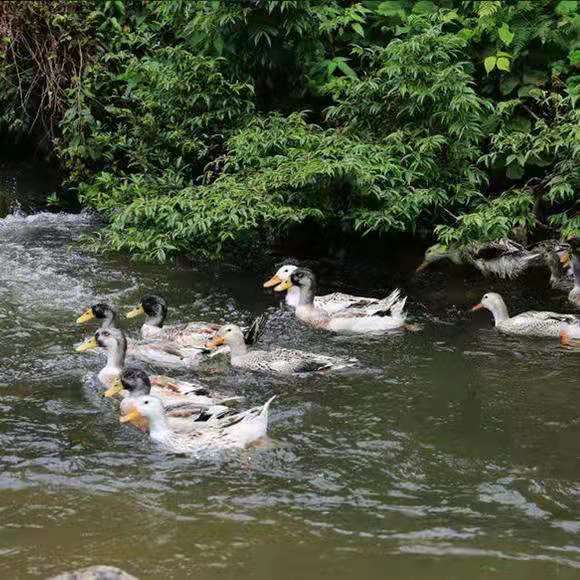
(217, 341)
(273, 281)
(565, 259)
(283, 285)
(87, 315)
(115, 389)
(132, 417)
(422, 266)
(135, 312)
(87, 345)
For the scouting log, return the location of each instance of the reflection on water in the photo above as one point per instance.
(455, 456)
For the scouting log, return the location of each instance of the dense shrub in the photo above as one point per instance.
(192, 125)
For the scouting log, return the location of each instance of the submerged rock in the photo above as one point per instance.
(96, 573)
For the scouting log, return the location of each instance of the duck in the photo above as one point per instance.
(239, 430)
(279, 360)
(570, 334)
(189, 334)
(531, 323)
(114, 342)
(336, 301)
(196, 412)
(156, 352)
(504, 258)
(307, 311)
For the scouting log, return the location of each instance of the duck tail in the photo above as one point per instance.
(398, 309)
(385, 304)
(255, 330)
(266, 408)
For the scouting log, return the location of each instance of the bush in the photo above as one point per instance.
(194, 126)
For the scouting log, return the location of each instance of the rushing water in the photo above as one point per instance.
(454, 455)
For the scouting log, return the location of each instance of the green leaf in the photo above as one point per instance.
(503, 63)
(505, 34)
(358, 29)
(343, 66)
(567, 7)
(451, 15)
(391, 8)
(575, 57)
(534, 77)
(489, 63)
(424, 7)
(515, 171)
(466, 33)
(508, 84)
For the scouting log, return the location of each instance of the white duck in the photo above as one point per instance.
(279, 360)
(353, 322)
(529, 323)
(335, 302)
(236, 431)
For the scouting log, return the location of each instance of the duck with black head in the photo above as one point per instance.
(194, 409)
(189, 334)
(342, 321)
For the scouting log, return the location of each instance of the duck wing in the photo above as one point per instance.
(555, 316)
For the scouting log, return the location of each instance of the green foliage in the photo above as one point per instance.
(196, 126)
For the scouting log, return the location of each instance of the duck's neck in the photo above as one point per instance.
(293, 296)
(306, 296)
(110, 320)
(499, 311)
(156, 320)
(159, 428)
(238, 349)
(116, 357)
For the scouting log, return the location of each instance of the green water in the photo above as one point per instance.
(453, 455)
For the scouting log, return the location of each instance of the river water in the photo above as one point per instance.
(453, 455)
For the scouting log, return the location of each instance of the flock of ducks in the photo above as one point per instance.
(187, 416)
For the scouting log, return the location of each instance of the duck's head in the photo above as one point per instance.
(153, 307)
(229, 334)
(100, 311)
(303, 278)
(490, 301)
(134, 382)
(142, 411)
(111, 339)
(433, 254)
(281, 275)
